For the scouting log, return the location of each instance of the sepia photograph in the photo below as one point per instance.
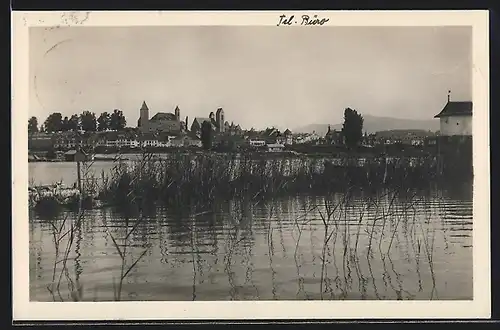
(290, 161)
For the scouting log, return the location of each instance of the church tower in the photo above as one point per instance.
(144, 117)
(220, 119)
(177, 113)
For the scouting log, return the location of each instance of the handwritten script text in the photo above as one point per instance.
(304, 20)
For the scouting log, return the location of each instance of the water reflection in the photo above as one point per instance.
(359, 246)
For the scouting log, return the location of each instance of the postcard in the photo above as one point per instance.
(250, 165)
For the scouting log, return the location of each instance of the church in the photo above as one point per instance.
(165, 122)
(217, 121)
(218, 124)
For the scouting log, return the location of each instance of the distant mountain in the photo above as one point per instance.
(374, 124)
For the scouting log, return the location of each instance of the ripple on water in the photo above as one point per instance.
(263, 257)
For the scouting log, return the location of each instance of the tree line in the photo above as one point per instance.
(86, 121)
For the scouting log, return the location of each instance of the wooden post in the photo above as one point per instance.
(79, 183)
(78, 158)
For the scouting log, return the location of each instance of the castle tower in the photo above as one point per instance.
(144, 117)
(220, 119)
(187, 121)
(177, 113)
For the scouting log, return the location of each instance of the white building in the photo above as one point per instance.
(306, 138)
(150, 142)
(257, 143)
(121, 142)
(276, 147)
(455, 119)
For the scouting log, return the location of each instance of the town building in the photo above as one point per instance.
(154, 140)
(333, 136)
(307, 138)
(455, 118)
(232, 129)
(76, 156)
(256, 143)
(272, 136)
(287, 137)
(66, 140)
(198, 122)
(40, 141)
(414, 137)
(215, 119)
(188, 141)
(275, 147)
(118, 139)
(161, 121)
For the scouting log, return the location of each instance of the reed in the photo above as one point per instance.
(385, 216)
(184, 180)
(61, 234)
(122, 245)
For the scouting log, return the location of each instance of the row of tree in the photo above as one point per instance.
(86, 121)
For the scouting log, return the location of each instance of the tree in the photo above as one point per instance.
(74, 123)
(88, 121)
(32, 125)
(206, 135)
(352, 128)
(65, 124)
(104, 121)
(117, 120)
(53, 123)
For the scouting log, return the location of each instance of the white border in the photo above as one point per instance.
(23, 309)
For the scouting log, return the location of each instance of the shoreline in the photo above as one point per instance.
(54, 203)
(416, 153)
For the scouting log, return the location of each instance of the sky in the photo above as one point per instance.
(261, 76)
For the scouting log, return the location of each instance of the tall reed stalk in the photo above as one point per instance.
(202, 179)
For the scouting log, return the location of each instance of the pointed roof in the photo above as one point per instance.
(144, 106)
(200, 120)
(164, 116)
(272, 132)
(453, 108)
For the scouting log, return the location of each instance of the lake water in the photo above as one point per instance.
(43, 173)
(393, 248)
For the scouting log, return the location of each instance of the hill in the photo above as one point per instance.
(374, 124)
